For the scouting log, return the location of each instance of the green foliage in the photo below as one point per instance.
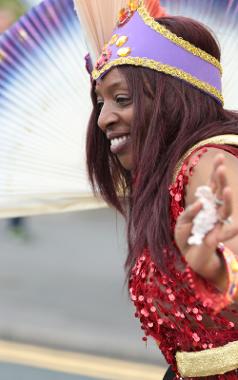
(15, 6)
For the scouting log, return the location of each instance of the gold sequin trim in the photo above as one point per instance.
(148, 20)
(154, 65)
(211, 362)
(217, 140)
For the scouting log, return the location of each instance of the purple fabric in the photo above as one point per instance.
(146, 42)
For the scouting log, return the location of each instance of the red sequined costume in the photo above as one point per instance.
(169, 307)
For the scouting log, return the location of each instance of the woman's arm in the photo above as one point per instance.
(220, 172)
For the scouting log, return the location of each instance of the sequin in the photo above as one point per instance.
(121, 41)
(124, 52)
(196, 337)
(179, 323)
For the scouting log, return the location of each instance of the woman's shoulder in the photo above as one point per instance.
(211, 146)
(200, 162)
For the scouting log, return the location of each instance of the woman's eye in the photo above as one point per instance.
(123, 100)
(99, 104)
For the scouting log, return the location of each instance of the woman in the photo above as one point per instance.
(158, 131)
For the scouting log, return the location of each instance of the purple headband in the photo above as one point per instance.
(141, 41)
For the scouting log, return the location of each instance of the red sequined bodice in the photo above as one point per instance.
(168, 305)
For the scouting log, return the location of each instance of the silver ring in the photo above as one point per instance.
(219, 202)
(226, 221)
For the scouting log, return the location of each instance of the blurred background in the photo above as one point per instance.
(63, 293)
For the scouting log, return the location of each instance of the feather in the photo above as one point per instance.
(154, 8)
(98, 19)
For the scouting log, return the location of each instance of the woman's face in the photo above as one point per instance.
(116, 115)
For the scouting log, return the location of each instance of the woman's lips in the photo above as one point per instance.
(119, 144)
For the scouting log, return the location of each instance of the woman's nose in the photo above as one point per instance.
(107, 117)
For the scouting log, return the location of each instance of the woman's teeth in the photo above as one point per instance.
(118, 141)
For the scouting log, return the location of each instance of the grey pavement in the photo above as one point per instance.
(18, 372)
(64, 286)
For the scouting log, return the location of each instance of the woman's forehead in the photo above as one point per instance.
(113, 79)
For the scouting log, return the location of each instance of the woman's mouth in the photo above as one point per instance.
(118, 144)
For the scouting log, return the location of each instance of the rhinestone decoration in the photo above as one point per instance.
(124, 52)
(126, 13)
(104, 58)
(133, 5)
(114, 39)
(121, 41)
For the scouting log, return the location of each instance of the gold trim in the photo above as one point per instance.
(218, 140)
(210, 362)
(148, 20)
(167, 69)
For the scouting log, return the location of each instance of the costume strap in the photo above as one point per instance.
(217, 140)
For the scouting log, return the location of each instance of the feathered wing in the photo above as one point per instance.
(44, 110)
(154, 8)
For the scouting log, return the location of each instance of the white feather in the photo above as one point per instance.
(98, 19)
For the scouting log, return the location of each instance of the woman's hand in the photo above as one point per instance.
(203, 259)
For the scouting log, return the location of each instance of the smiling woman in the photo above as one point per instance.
(156, 134)
(115, 105)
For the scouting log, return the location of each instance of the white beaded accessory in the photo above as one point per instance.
(207, 217)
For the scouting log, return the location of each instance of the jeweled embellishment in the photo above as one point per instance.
(121, 41)
(124, 52)
(133, 5)
(104, 58)
(126, 13)
(124, 16)
(114, 39)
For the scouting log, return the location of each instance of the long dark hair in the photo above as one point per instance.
(179, 116)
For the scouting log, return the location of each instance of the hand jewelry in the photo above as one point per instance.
(226, 221)
(219, 202)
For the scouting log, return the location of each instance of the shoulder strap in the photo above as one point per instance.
(217, 140)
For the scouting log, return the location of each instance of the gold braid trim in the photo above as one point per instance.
(167, 69)
(148, 20)
(210, 362)
(217, 140)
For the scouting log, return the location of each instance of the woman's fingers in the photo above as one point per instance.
(218, 161)
(225, 209)
(189, 213)
(221, 181)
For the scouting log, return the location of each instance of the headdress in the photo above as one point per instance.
(139, 40)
